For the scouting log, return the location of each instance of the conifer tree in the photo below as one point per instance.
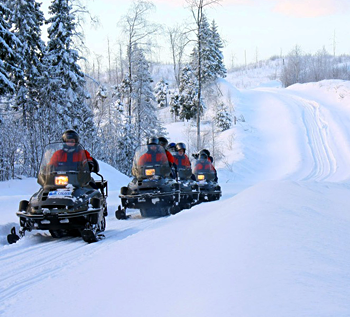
(27, 18)
(206, 74)
(188, 92)
(161, 93)
(174, 103)
(65, 93)
(143, 110)
(223, 120)
(127, 143)
(212, 66)
(219, 69)
(197, 9)
(9, 56)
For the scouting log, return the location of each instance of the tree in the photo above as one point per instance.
(126, 143)
(27, 19)
(143, 109)
(292, 71)
(223, 120)
(174, 103)
(64, 89)
(197, 9)
(207, 74)
(188, 92)
(161, 93)
(9, 56)
(108, 111)
(138, 30)
(219, 69)
(178, 42)
(211, 56)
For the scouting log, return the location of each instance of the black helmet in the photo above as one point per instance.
(153, 140)
(70, 134)
(163, 141)
(180, 146)
(205, 151)
(203, 156)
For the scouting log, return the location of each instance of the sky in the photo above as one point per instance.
(276, 244)
(250, 29)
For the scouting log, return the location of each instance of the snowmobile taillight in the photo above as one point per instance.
(201, 177)
(61, 180)
(150, 172)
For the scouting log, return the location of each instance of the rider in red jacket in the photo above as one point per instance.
(164, 142)
(69, 153)
(152, 155)
(180, 158)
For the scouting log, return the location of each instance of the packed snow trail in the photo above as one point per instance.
(322, 156)
(290, 136)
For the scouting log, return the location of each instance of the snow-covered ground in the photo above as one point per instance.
(276, 244)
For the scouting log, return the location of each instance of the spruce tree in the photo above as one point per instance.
(27, 18)
(188, 92)
(174, 103)
(205, 74)
(218, 68)
(65, 92)
(127, 143)
(143, 109)
(9, 56)
(223, 120)
(212, 66)
(161, 92)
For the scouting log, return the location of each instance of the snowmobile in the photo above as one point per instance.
(69, 201)
(152, 190)
(189, 189)
(206, 179)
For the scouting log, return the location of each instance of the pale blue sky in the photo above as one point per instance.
(263, 27)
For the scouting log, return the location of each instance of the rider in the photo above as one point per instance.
(164, 142)
(208, 154)
(152, 154)
(71, 153)
(205, 153)
(180, 158)
(172, 148)
(203, 163)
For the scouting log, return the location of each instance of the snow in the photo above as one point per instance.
(276, 244)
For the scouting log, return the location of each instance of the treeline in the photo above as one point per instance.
(299, 67)
(43, 90)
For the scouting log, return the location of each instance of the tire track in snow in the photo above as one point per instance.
(319, 148)
(38, 256)
(317, 130)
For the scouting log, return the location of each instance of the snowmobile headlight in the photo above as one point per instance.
(61, 180)
(201, 177)
(150, 172)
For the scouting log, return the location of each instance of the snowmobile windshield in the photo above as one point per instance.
(204, 170)
(150, 161)
(63, 164)
(184, 172)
